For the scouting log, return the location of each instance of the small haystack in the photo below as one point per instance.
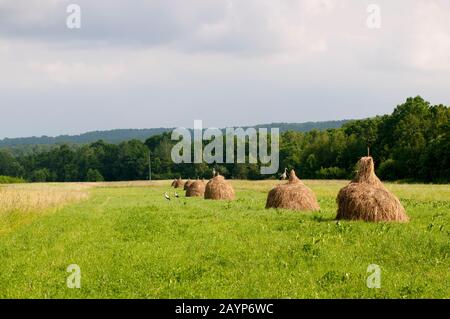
(196, 189)
(219, 188)
(292, 195)
(367, 199)
(177, 183)
(187, 184)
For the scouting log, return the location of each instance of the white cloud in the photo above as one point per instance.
(76, 73)
(430, 43)
(261, 59)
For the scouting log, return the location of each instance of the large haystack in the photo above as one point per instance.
(177, 183)
(196, 189)
(366, 198)
(187, 184)
(219, 188)
(292, 195)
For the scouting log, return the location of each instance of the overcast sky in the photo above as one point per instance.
(153, 63)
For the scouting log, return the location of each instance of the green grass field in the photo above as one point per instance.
(129, 242)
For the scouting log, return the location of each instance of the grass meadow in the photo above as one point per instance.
(129, 242)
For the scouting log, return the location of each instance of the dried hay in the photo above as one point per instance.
(187, 184)
(218, 188)
(196, 189)
(366, 198)
(293, 195)
(177, 183)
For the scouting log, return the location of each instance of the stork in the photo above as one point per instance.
(284, 175)
(166, 196)
(176, 195)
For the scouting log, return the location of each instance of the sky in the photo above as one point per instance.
(166, 63)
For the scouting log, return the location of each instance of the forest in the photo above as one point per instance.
(22, 145)
(412, 144)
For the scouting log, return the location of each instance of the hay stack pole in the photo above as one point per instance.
(293, 195)
(196, 189)
(219, 189)
(366, 198)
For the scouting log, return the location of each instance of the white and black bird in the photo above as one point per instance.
(284, 175)
(166, 196)
(176, 195)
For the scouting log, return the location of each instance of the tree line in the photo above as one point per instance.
(411, 144)
(28, 144)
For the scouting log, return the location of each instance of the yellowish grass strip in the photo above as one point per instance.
(35, 199)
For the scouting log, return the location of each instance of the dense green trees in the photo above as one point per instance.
(9, 165)
(413, 143)
(94, 175)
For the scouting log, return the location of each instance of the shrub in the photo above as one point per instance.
(331, 173)
(94, 175)
(11, 180)
(41, 175)
(388, 170)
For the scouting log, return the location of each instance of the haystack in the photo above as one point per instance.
(292, 195)
(196, 189)
(187, 184)
(219, 188)
(366, 198)
(177, 183)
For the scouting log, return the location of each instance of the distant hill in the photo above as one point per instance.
(306, 126)
(120, 135)
(112, 136)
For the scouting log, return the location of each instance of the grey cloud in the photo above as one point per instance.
(196, 25)
(167, 62)
(109, 22)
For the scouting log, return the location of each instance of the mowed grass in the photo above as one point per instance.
(129, 242)
(20, 204)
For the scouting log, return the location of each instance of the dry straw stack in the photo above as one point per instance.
(187, 184)
(366, 198)
(292, 195)
(196, 189)
(177, 183)
(218, 188)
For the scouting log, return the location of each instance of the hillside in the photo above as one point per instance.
(111, 136)
(120, 135)
(306, 126)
